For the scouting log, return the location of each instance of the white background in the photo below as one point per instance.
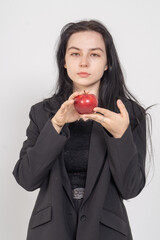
(29, 32)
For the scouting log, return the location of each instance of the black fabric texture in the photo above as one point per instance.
(76, 152)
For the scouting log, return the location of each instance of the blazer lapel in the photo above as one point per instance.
(97, 153)
(65, 179)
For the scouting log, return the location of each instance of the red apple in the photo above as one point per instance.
(85, 103)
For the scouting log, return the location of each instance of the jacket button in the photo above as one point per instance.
(83, 218)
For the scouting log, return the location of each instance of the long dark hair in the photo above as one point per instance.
(112, 85)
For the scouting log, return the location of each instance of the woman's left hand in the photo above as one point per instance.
(115, 123)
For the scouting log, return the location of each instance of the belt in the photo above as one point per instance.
(78, 193)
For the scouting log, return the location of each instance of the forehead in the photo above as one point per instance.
(86, 39)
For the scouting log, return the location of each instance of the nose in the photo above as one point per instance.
(84, 62)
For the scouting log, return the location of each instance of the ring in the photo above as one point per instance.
(102, 119)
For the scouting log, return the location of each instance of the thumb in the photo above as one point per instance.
(122, 107)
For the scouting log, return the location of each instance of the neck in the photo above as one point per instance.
(91, 90)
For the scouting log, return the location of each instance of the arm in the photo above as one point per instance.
(127, 160)
(38, 154)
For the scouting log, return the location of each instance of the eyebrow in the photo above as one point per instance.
(92, 49)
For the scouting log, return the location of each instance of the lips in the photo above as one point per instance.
(83, 74)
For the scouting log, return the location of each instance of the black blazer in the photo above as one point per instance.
(116, 171)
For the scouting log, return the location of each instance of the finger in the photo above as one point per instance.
(78, 93)
(63, 108)
(122, 108)
(95, 116)
(73, 95)
(66, 104)
(104, 111)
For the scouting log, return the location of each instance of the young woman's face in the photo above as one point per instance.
(85, 52)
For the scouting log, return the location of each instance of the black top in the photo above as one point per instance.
(76, 152)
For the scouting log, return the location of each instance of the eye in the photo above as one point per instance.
(95, 55)
(74, 54)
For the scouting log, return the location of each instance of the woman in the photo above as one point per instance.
(85, 165)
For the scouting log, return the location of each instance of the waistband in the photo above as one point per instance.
(78, 193)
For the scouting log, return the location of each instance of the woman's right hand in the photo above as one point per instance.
(67, 112)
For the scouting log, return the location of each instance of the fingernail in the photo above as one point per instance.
(119, 101)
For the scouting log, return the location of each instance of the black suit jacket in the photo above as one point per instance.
(116, 171)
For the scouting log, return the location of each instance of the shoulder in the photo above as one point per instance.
(37, 106)
(41, 111)
(133, 107)
(46, 106)
(38, 115)
(38, 109)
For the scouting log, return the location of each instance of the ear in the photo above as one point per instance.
(65, 65)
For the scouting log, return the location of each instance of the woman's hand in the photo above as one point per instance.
(115, 123)
(67, 112)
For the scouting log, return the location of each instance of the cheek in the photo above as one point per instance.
(71, 71)
(98, 70)
(70, 64)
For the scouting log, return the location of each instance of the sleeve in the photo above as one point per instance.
(127, 160)
(39, 153)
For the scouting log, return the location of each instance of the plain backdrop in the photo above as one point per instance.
(29, 32)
